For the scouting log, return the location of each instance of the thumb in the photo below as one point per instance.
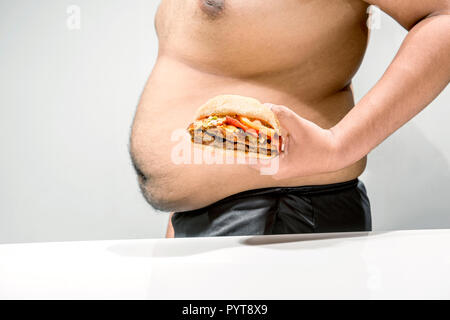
(288, 118)
(289, 121)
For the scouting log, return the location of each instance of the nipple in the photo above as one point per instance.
(213, 8)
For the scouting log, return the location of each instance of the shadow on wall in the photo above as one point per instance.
(408, 178)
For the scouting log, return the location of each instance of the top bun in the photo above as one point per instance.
(234, 104)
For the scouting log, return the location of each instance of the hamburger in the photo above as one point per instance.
(239, 124)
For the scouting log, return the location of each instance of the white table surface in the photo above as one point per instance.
(365, 265)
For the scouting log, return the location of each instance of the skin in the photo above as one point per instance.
(297, 55)
(170, 233)
(419, 72)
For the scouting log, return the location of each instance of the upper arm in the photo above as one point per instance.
(409, 12)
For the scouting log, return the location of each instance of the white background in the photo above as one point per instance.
(67, 102)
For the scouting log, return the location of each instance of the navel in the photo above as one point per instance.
(212, 8)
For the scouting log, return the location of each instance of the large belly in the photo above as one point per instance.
(193, 67)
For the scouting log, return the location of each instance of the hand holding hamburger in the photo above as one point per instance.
(244, 126)
(239, 124)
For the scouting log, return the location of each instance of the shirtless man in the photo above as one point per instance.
(299, 56)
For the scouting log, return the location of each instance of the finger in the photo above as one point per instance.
(288, 119)
(286, 116)
(284, 144)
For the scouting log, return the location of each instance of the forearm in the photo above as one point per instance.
(419, 72)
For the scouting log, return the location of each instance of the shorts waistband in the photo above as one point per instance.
(308, 189)
(299, 190)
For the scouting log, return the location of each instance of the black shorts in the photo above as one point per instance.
(338, 207)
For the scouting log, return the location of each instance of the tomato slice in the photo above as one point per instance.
(258, 126)
(236, 123)
(252, 124)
